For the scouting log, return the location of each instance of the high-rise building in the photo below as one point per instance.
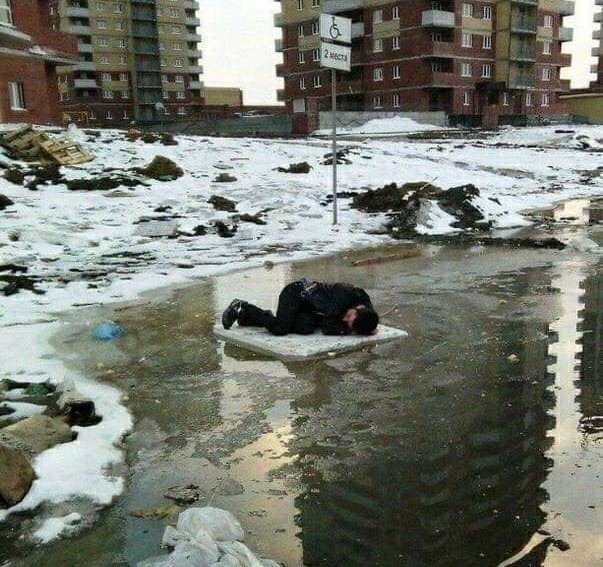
(480, 62)
(30, 51)
(138, 60)
(598, 51)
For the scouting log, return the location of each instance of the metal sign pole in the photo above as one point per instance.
(334, 154)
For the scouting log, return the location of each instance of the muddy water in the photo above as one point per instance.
(436, 450)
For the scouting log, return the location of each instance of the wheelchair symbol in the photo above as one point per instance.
(334, 30)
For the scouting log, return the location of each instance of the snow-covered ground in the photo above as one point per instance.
(88, 247)
(381, 126)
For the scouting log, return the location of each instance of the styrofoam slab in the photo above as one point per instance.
(301, 347)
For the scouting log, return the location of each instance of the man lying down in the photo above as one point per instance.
(304, 306)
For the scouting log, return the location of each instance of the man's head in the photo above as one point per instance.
(361, 320)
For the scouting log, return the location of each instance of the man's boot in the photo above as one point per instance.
(231, 313)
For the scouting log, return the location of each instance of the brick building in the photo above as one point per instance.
(30, 51)
(482, 62)
(133, 56)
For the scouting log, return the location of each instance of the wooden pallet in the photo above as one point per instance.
(33, 145)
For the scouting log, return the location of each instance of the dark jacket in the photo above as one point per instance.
(330, 303)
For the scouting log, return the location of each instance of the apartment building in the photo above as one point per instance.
(587, 104)
(480, 61)
(30, 51)
(138, 61)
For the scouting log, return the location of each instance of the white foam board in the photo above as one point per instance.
(301, 347)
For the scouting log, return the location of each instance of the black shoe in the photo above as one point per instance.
(231, 313)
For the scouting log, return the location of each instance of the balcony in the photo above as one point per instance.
(280, 95)
(566, 8)
(190, 5)
(357, 29)
(193, 22)
(598, 34)
(438, 19)
(84, 47)
(194, 54)
(596, 51)
(76, 12)
(566, 34)
(193, 37)
(84, 66)
(278, 20)
(79, 30)
(444, 79)
(280, 70)
(522, 53)
(13, 34)
(195, 69)
(85, 84)
(336, 6)
(594, 69)
(522, 24)
(599, 17)
(525, 2)
(278, 45)
(521, 82)
(196, 85)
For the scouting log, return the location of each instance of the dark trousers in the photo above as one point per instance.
(292, 315)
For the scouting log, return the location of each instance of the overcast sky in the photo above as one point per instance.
(238, 46)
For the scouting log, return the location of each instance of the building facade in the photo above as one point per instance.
(138, 61)
(482, 62)
(30, 51)
(598, 51)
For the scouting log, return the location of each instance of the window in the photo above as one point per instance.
(466, 98)
(300, 30)
(122, 59)
(466, 70)
(181, 111)
(378, 101)
(63, 96)
(546, 99)
(106, 76)
(178, 63)
(300, 4)
(486, 70)
(316, 55)
(546, 47)
(174, 13)
(123, 77)
(166, 95)
(180, 95)
(548, 21)
(125, 94)
(467, 10)
(107, 93)
(120, 25)
(487, 42)
(396, 72)
(315, 3)
(317, 81)
(163, 62)
(179, 79)
(103, 41)
(396, 100)
(528, 99)
(109, 115)
(176, 30)
(301, 58)
(104, 59)
(122, 43)
(118, 8)
(377, 45)
(467, 40)
(396, 13)
(164, 79)
(378, 74)
(302, 83)
(546, 74)
(487, 12)
(177, 46)
(100, 7)
(377, 16)
(436, 66)
(315, 28)
(396, 42)
(505, 100)
(125, 114)
(16, 96)
(101, 24)
(436, 36)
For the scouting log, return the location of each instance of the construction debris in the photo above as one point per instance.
(34, 145)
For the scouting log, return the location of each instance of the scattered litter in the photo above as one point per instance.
(107, 331)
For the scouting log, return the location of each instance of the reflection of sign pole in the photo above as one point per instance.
(335, 56)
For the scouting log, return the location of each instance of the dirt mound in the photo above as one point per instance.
(162, 169)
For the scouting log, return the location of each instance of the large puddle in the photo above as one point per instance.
(436, 450)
